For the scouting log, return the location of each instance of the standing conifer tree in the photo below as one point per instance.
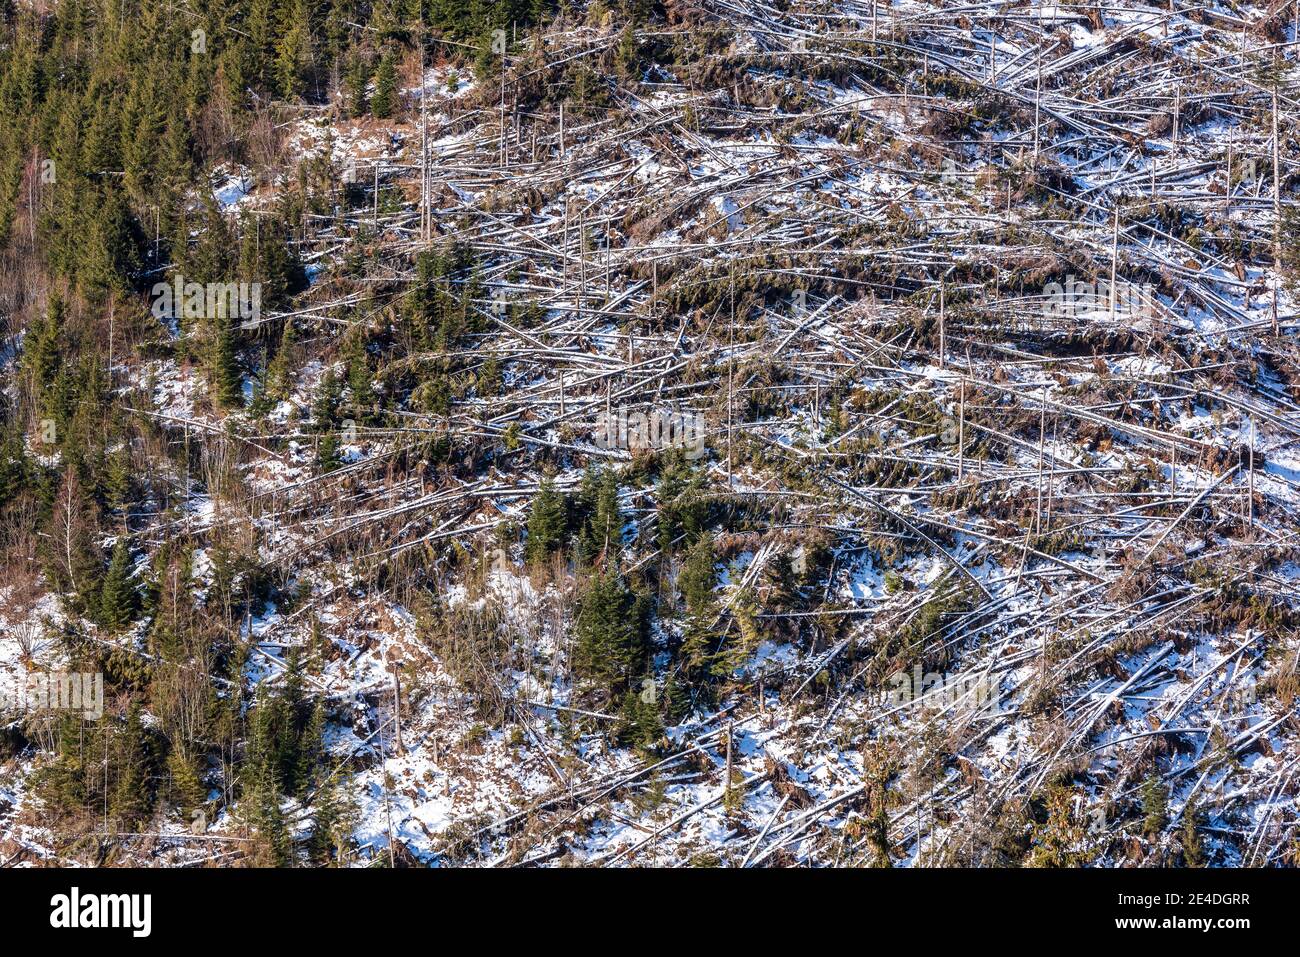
(130, 800)
(384, 102)
(546, 523)
(609, 650)
(117, 601)
(224, 378)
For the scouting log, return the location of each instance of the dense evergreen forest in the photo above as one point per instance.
(112, 115)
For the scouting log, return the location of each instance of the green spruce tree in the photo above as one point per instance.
(547, 523)
(1155, 804)
(384, 102)
(610, 649)
(117, 599)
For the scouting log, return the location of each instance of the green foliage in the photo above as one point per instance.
(118, 481)
(601, 519)
(279, 371)
(293, 50)
(683, 507)
(106, 767)
(43, 356)
(333, 821)
(17, 472)
(328, 458)
(384, 101)
(131, 798)
(676, 701)
(699, 578)
(285, 736)
(325, 404)
(130, 113)
(587, 92)
(878, 770)
(266, 815)
(285, 757)
(1058, 839)
(487, 62)
(1190, 836)
(186, 784)
(267, 256)
(640, 724)
(625, 55)
(358, 80)
(311, 747)
(224, 377)
(117, 599)
(547, 523)
(63, 784)
(441, 306)
(1155, 805)
(360, 380)
(611, 642)
(697, 581)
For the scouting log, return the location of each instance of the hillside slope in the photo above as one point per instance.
(709, 433)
